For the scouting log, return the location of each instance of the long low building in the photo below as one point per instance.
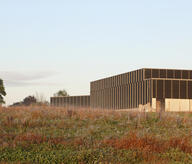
(71, 101)
(158, 89)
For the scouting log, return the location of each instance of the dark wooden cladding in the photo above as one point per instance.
(175, 89)
(147, 73)
(159, 88)
(163, 73)
(123, 97)
(115, 81)
(177, 74)
(185, 74)
(167, 88)
(130, 89)
(71, 101)
(183, 89)
(190, 89)
(170, 74)
(154, 88)
(155, 73)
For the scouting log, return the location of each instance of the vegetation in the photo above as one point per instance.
(27, 101)
(41, 99)
(61, 93)
(58, 135)
(2, 92)
(32, 100)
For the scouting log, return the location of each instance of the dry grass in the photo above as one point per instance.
(93, 135)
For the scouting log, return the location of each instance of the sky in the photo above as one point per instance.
(48, 45)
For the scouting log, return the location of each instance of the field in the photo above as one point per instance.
(58, 135)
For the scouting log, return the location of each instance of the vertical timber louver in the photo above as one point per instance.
(130, 89)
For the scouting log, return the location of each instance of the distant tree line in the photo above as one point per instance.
(61, 93)
(38, 100)
(29, 100)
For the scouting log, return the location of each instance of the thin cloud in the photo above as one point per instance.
(19, 79)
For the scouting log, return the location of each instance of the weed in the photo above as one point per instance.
(59, 135)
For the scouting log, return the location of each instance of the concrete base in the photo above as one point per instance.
(172, 105)
(179, 105)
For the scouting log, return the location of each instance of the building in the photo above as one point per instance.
(153, 89)
(71, 101)
(161, 89)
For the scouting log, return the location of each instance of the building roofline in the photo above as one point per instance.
(116, 75)
(141, 69)
(169, 69)
(70, 96)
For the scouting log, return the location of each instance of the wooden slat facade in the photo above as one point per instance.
(131, 89)
(71, 101)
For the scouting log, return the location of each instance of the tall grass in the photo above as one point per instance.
(41, 134)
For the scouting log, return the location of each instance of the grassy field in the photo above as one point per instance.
(58, 135)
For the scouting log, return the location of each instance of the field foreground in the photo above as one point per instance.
(58, 135)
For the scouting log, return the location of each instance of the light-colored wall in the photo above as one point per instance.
(190, 105)
(175, 105)
(154, 103)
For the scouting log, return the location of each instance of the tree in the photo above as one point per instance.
(32, 100)
(61, 93)
(2, 92)
(29, 100)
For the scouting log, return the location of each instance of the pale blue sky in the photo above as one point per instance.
(47, 45)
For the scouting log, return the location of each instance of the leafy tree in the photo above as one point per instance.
(2, 92)
(29, 100)
(61, 93)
